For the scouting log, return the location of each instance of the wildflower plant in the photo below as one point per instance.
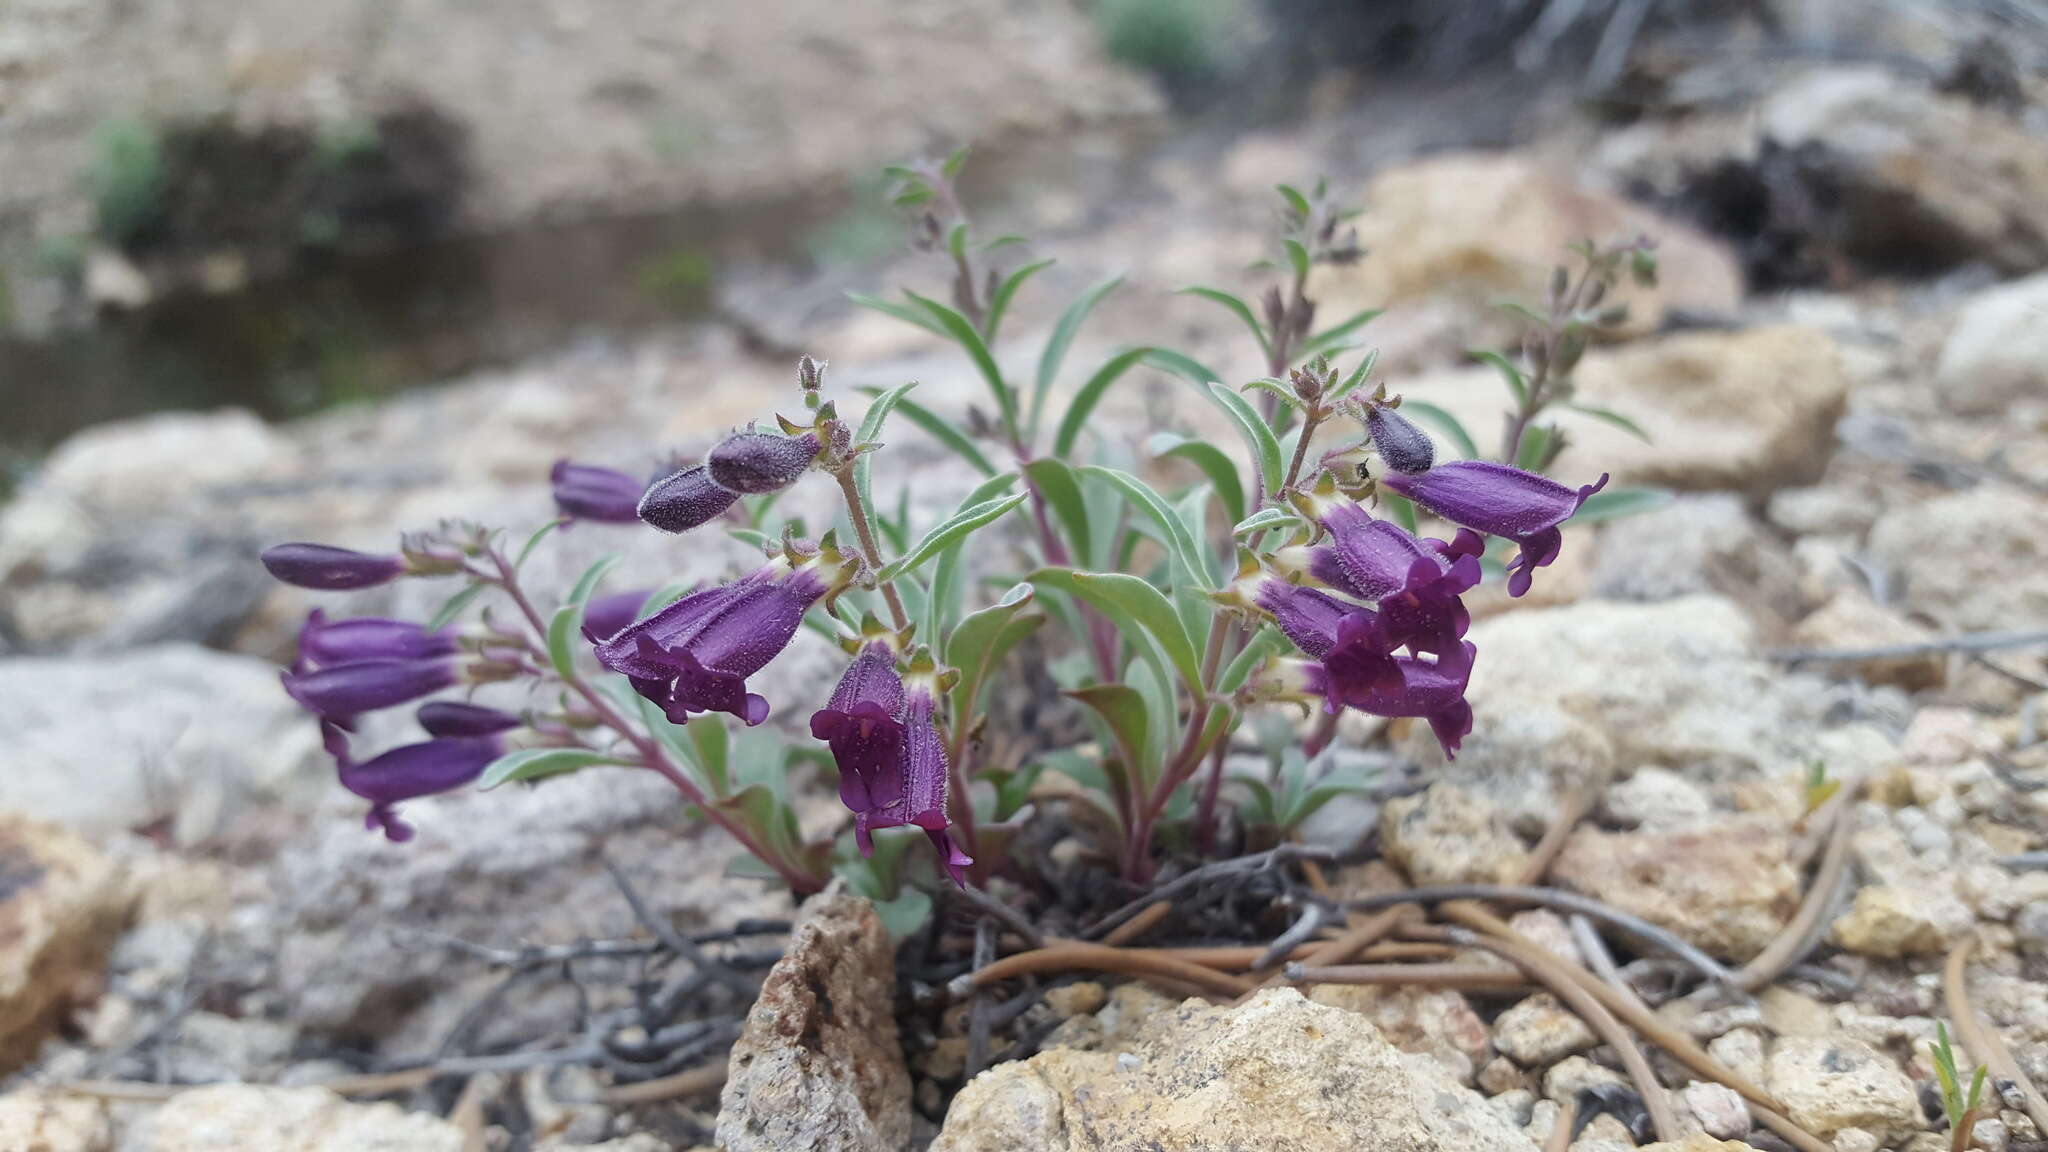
(1959, 1105)
(1293, 572)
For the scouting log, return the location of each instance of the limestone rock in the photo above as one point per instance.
(1828, 1084)
(1654, 799)
(61, 904)
(1698, 1142)
(1998, 352)
(1728, 886)
(1851, 619)
(1721, 1111)
(1451, 835)
(37, 1121)
(1698, 543)
(290, 1120)
(1999, 579)
(1278, 1072)
(1891, 920)
(818, 1065)
(1539, 1031)
(1434, 1022)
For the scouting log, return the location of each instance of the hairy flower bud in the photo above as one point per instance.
(584, 492)
(324, 642)
(454, 718)
(1402, 445)
(682, 500)
(757, 462)
(326, 568)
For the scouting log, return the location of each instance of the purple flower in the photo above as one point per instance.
(682, 500)
(696, 654)
(1345, 639)
(1431, 690)
(756, 462)
(344, 691)
(925, 774)
(327, 568)
(862, 726)
(607, 616)
(1415, 583)
(409, 772)
(1402, 445)
(584, 492)
(455, 718)
(325, 642)
(1500, 501)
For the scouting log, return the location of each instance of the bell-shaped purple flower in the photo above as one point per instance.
(925, 774)
(756, 462)
(696, 654)
(1433, 690)
(1403, 446)
(409, 772)
(862, 725)
(1500, 501)
(326, 642)
(1416, 584)
(457, 718)
(607, 616)
(586, 492)
(682, 500)
(342, 692)
(326, 568)
(1345, 639)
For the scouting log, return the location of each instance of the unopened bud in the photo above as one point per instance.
(810, 374)
(757, 462)
(1401, 444)
(682, 500)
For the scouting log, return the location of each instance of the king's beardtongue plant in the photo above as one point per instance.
(1294, 577)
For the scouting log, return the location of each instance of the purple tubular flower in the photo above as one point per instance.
(696, 654)
(1402, 445)
(1500, 501)
(326, 568)
(1416, 583)
(607, 616)
(861, 725)
(324, 642)
(682, 500)
(1431, 690)
(584, 492)
(924, 777)
(1345, 639)
(757, 462)
(455, 718)
(409, 772)
(342, 692)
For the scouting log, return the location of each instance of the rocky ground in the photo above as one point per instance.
(203, 949)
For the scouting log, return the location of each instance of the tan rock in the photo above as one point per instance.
(1539, 1031)
(1891, 920)
(1998, 352)
(61, 904)
(1434, 1022)
(818, 1064)
(290, 1120)
(1698, 1142)
(1276, 1073)
(37, 1121)
(1451, 835)
(1829, 1084)
(1851, 619)
(1728, 886)
(1999, 579)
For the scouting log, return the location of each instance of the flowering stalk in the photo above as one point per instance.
(857, 511)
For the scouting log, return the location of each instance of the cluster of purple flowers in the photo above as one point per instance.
(1387, 637)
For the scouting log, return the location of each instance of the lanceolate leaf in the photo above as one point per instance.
(535, 763)
(1057, 484)
(1615, 418)
(1334, 335)
(1263, 519)
(1125, 713)
(1358, 376)
(1219, 468)
(1265, 448)
(901, 312)
(975, 646)
(941, 430)
(1062, 336)
(1508, 372)
(870, 433)
(1443, 421)
(964, 334)
(562, 629)
(534, 540)
(1090, 395)
(999, 303)
(1613, 503)
(959, 525)
(1187, 368)
(1187, 554)
(1238, 308)
(1127, 598)
(453, 607)
(1268, 641)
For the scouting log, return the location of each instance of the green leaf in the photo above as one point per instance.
(1267, 641)
(533, 541)
(1613, 503)
(1294, 198)
(1508, 372)
(955, 527)
(536, 763)
(903, 915)
(1535, 446)
(1615, 418)
(1278, 389)
(1129, 598)
(1218, 467)
(562, 628)
(871, 433)
(954, 162)
(453, 607)
(1263, 519)
(1334, 335)
(712, 748)
(1090, 395)
(901, 312)
(1297, 257)
(1126, 713)
(999, 301)
(1186, 367)
(941, 430)
(956, 241)
(1264, 808)
(1517, 308)
(964, 334)
(1062, 336)
(1187, 554)
(975, 646)
(1238, 308)
(1257, 434)
(1401, 510)
(1444, 422)
(1061, 489)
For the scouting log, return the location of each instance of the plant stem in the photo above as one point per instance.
(650, 750)
(856, 510)
(1533, 399)
(1309, 421)
(1138, 853)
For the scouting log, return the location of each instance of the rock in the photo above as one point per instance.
(1824, 510)
(1697, 543)
(1830, 1084)
(1721, 1111)
(1741, 1051)
(290, 1120)
(1749, 410)
(1451, 835)
(37, 1121)
(1575, 1074)
(1964, 181)
(61, 904)
(1539, 1031)
(1728, 886)
(1434, 1022)
(1655, 799)
(1997, 353)
(1891, 920)
(818, 1065)
(1974, 560)
(1851, 619)
(1278, 1072)
(156, 748)
(1698, 1142)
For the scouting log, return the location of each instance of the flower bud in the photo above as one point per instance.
(682, 500)
(583, 492)
(1401, 444)
(326, 568)
(757, 462)
(454, 718)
